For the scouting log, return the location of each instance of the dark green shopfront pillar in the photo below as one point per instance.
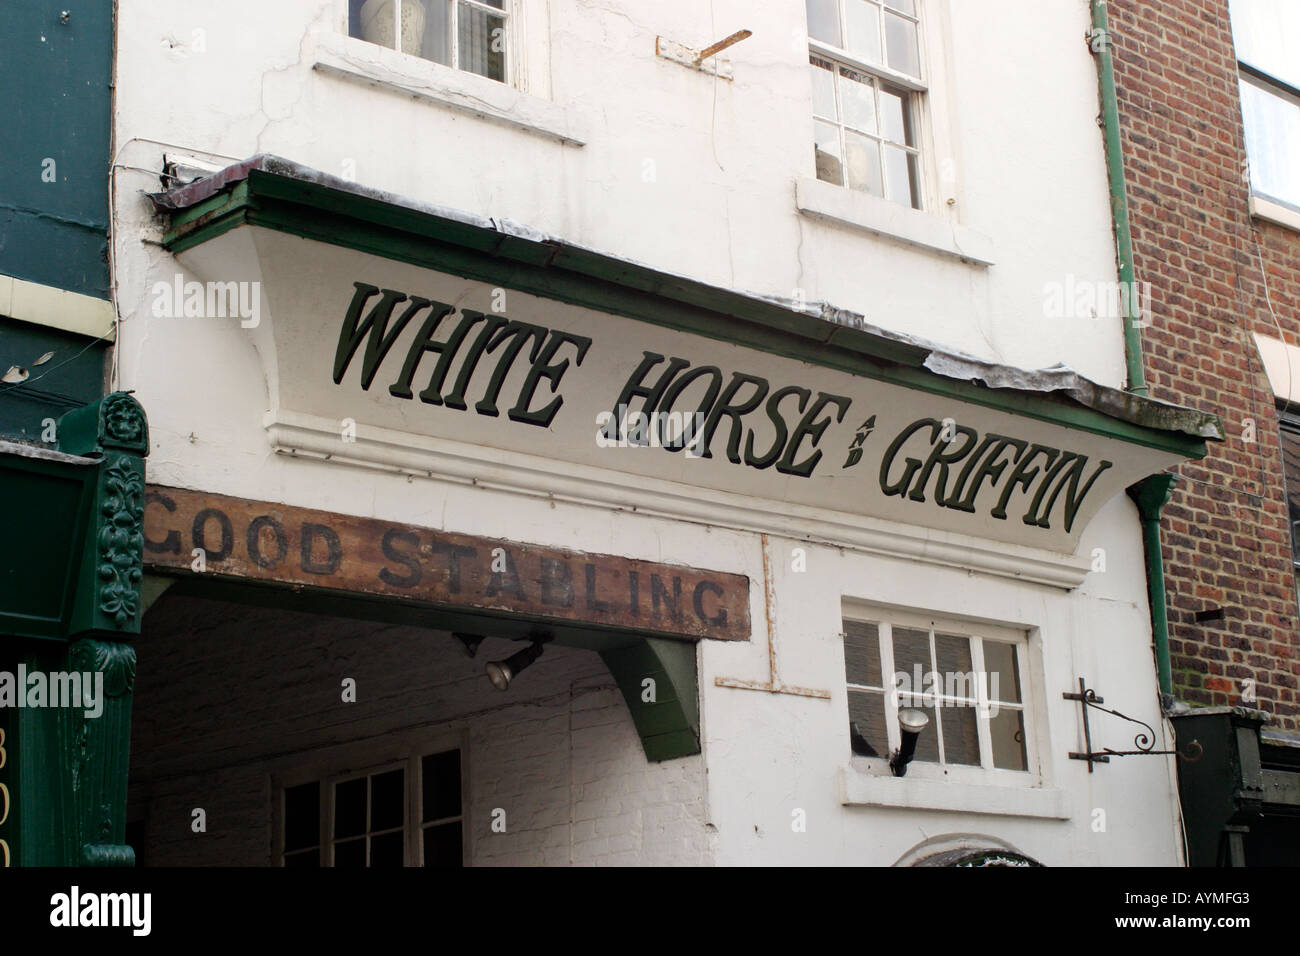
(70, 602)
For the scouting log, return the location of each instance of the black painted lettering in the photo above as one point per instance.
(778, 420)
(507, 580)
(911, 465)
(634, 388)
(593, 604)
(454, 553)
(411, 561)
(674, 392)
(456, 399)
(333, 549)
(992, 468)
(729, 407)
(659, 595)
(720, 618)
(556, 583)
(1023, 476)
(199, 537)
(941, 456)
(171, 544)
(545, 367)
(518, 333)
(254, 541)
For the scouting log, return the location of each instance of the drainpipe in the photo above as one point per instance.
(1151, 494)
(1099, 40)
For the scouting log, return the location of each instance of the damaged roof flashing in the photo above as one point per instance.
(271, 191)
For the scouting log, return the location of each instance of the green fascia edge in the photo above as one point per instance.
(277, 194)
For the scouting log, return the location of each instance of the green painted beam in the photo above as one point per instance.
(659, 681)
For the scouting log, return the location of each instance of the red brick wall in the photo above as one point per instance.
(1226, 532)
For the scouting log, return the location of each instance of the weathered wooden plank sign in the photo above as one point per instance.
(261, 541)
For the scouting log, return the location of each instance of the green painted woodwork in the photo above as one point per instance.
(321, 212)
(71, 377)
(669, 724)
(54, 165)
(70, 596)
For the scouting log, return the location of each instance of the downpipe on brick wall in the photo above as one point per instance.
(1152, 494)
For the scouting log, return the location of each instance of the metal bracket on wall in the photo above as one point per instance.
(1144, 741)
(695, 59)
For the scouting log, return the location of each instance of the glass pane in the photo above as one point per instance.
(857, 101)
(437, 33)
(350, 807)
(302, 816)
(826, 148)
(375, 22)
(912, 648)
(1004, 674)
(823, 21)
(308, 859)
(1008, 731)
(1272, 142)
(900, 41)
(900, 176)
(867, 733)
(823, 89)
(863, 163)
(387, 800)
(386, 850)
(1266, 34)
(952, 654)
(961, 739)
(442, 785)
(895, 123)
(862, 653)
(1291, 467)
(906, 6)
(442, 845)
(349, 854)
(862, 29)
(481, 42)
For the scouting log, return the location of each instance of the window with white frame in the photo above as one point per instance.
(470, 35)
(968, 680)
(1267, 37)
(867, 80)
(407, 813)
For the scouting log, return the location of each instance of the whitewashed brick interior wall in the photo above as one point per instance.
(225, 694)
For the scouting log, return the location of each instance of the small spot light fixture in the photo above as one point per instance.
(471, 642)
(501, 673)
(912, 722)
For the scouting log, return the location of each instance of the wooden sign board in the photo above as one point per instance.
(260, 541)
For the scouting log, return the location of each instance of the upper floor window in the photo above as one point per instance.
(865, 58)
(968, 680)
(1290, 435)
(471, 35)
(1267, 35)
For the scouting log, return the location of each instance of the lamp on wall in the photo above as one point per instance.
(471, 642)
(501, 673)
(911, 722)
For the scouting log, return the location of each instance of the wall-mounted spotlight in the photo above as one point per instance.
(501, 673)
(471, 642)
(911, 722)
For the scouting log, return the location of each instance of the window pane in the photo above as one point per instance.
(953, 661)
(912, 647)
(1272, 142)
(826, 147)
(442, 845)
(906, 6)
(302, 816)
(1008, 732)
(481, 42)
(900, 177)
(350, 807)
(895, 123)
(1267, 36)
(441, 774)
(1004, 674)
(1291, 467)
(823, 89)
(867, 733)
(857, 101)
(437, 33)
(387, 800)
(862, 653)
(961, 741)
(862, 29)
(823, 21)
(863, 163)
(308, 859)
(351, 853)
(900, 41)
(386, 850)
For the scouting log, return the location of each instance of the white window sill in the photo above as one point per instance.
(358, 61)
(858, 210)
(1274, 212)
(859, 787)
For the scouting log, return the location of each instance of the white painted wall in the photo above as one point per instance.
(1014, 106)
